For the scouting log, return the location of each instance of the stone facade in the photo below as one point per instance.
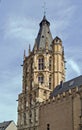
(62, 112)
(46, 101)
(43, 70)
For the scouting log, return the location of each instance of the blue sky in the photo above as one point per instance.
(19, 25)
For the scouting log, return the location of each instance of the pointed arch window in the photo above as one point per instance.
(48, 126)
(50, 79)
(41, 63)
(40, 79)
(50, 63)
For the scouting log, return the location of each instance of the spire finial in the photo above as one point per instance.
(24, 54)
(29, 49)
(44, 7)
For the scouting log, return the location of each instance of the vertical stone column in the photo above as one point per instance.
(58, 62)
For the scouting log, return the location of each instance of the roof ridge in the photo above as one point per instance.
(5, 124)
(75, 82)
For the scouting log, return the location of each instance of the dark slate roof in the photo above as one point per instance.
(57, 38)
(63, 87)
(4, 125)
(44, 35)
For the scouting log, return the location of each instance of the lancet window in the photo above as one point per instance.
(41, 63)
(41, 78)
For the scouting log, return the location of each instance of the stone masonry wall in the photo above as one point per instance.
(61, 114)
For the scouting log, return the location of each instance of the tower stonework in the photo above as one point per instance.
(43, 70)
(58, 62)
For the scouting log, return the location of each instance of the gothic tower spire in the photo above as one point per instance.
(43, 70)
(44, 32)
(24, 54)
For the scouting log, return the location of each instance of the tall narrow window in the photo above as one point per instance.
(24, 116)
(50, 82)
(41, 63)
(36, 115)
(48, 126)
(41, 79)
(30, 116)
(50, 63)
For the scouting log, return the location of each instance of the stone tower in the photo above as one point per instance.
(43, 70)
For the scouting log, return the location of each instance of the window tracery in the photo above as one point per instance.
(41, 78)
(41, 63)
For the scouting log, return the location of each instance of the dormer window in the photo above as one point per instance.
(41, 63)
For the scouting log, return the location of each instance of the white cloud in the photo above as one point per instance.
(63, 20)
(74, 66)
(18, 27)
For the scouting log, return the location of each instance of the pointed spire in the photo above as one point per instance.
(44, 32)
(29, 50)
(44, 17)
(44, 7)
(44, 21)
(35, 46)
(24, 54)
(29, 47)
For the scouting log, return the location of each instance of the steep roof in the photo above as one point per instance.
(44, 35)
(4, 125)
(63, 87)
(57, 38)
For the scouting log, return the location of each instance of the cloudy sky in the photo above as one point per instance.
(19, 25)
